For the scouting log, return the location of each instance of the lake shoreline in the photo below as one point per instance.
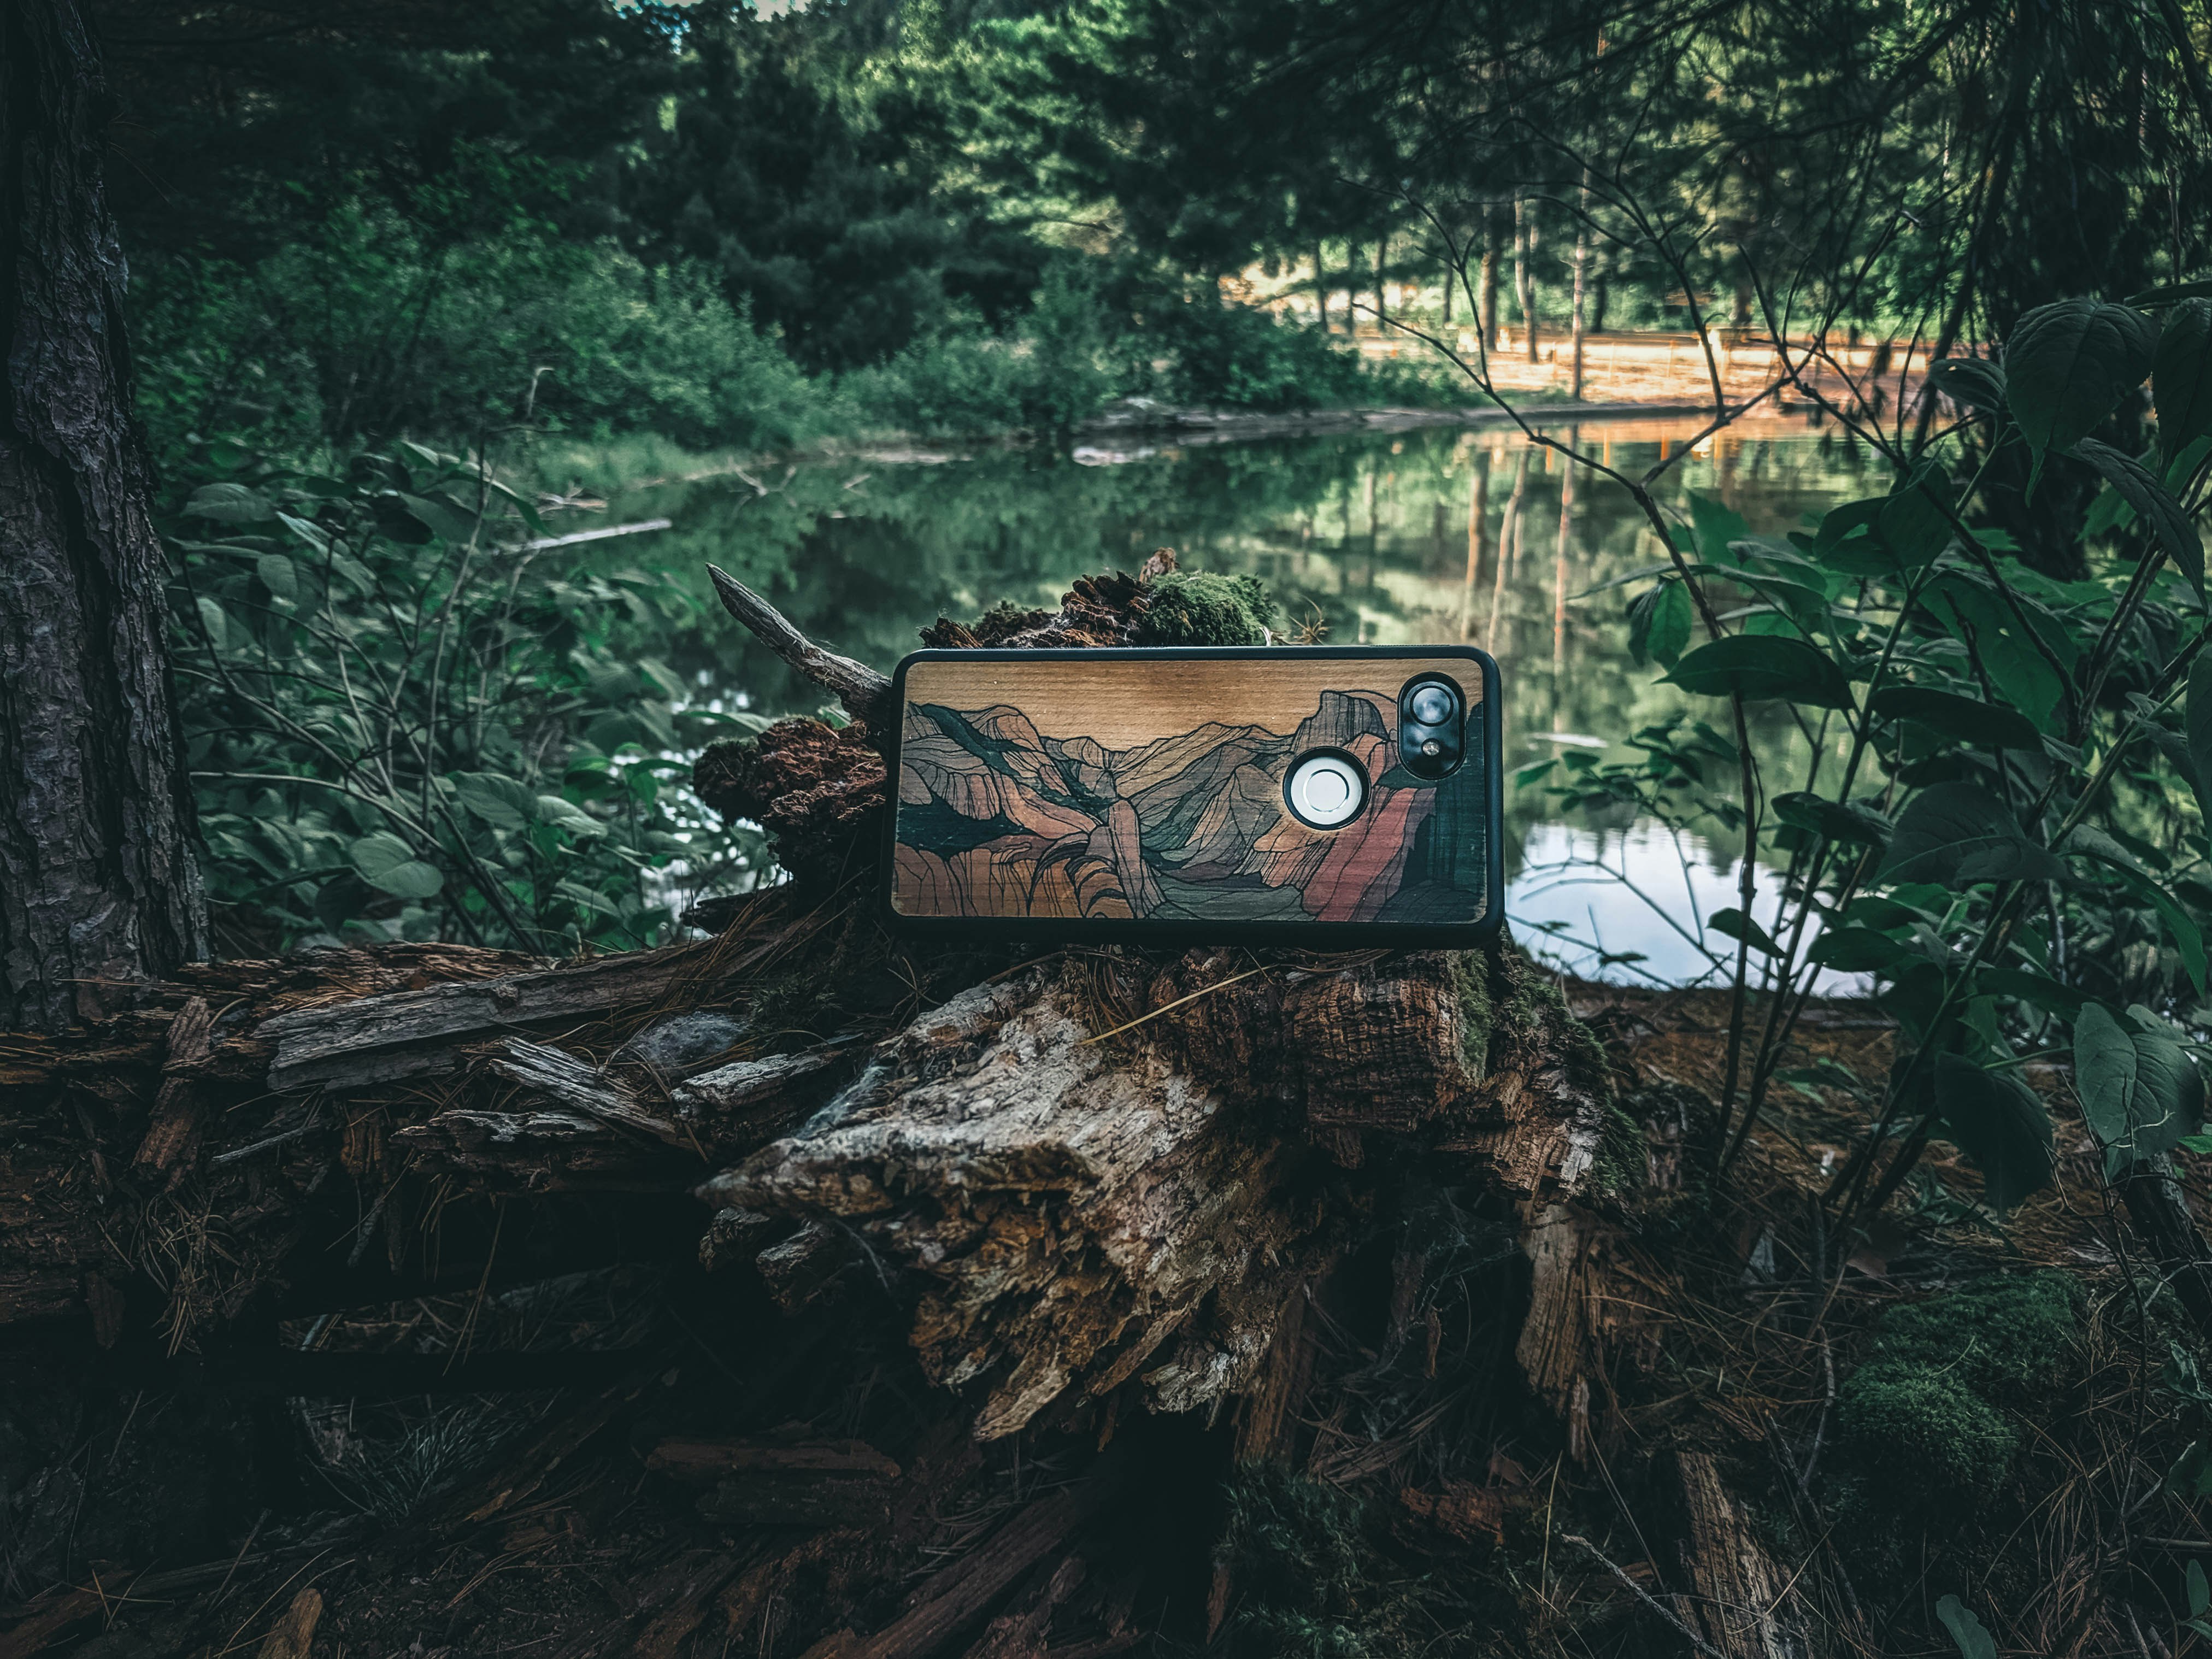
(1135, 428)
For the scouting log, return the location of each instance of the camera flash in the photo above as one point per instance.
(1432, 747)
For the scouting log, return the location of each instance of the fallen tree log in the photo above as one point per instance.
(1074, 1187)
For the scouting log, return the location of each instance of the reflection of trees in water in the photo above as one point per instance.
(862, 555)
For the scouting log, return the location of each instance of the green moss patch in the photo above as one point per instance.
(1200, 608)
(1918, 1434)
(2009, 1338)
(1930, 1424)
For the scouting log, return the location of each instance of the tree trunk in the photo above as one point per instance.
(1524, 269)
(1478, 514)
(97, 881)
(1582, 256)
(1489, 305)
(1321, 288)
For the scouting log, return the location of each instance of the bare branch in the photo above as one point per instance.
(866, 694)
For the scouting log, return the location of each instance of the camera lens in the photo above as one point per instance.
(1431, 705)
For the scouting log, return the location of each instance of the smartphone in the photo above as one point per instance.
(1330, 796)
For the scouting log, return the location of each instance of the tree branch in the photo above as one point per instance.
(866, 694)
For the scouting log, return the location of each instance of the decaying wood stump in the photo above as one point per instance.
(1080, 1183)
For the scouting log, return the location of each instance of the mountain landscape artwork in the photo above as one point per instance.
(1023, 794)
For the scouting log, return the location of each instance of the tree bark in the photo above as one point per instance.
(98, 880)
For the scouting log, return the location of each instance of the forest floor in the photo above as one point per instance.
(1712, 1324)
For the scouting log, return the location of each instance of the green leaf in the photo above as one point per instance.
(1763, 666)
(2191, 1473)
(2037, 990)
(2197, 728)
(1849, 519)
(2199, 1591)
(397, 521)
(307, 531)
(2154, 299)
(1974, 614)
(500, 802)
(1913, 525)
(1973, 1641)
(1737, 925)
(2141, 1093)
(2181, 378)
(2067, 365)
(2000, 1123)
(1872, 910)
(1717, 526)
(278, 575)
(1659, 623)
(389, 864)
(1967, 718)
(1958, 834)
(565, 815)
(232, 503)
(1841, 821)
(216, 622)
(1858, 950)
(1974, 383)
(2188, 937)
(2161, 513)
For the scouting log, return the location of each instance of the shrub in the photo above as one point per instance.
(367, 330)
(407, 722)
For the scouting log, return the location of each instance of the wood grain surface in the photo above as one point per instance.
(1117, 789)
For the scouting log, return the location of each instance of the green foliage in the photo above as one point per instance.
(1201, 608)
(2181, 378)
(2001, 711)
(1957, 835)
(410, 717)
(1998, 1121)
(1235, 355)
(365, 327)
(1759, 666)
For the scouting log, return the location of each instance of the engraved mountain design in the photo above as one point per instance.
(997, 819)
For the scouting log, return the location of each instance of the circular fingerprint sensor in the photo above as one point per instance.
(1325, 789)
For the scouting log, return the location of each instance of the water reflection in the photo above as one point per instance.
(1421, 537)
(1630, 905)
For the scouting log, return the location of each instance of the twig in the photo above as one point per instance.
(1643, 1594)
(540, 543)
(1169, 1007)
(368, 1227)
(236, 1153)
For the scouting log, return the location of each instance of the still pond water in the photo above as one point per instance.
(1438, 534)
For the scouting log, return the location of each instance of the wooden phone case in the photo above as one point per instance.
(1140, 795)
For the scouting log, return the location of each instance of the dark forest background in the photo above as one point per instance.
(396, 264)
(348, 221)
